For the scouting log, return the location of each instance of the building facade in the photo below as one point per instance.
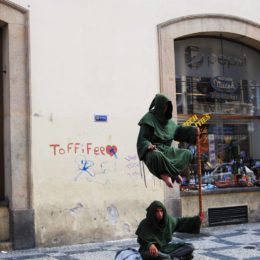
(76, 78)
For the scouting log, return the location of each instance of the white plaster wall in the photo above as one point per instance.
(97, 57)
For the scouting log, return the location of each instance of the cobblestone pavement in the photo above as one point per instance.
(224, 243)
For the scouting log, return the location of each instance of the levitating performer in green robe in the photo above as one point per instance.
(157, 130)
(154, 234)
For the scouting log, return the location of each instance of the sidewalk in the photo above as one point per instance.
(223, 242)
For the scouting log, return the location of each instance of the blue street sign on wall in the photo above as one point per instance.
(100, 118)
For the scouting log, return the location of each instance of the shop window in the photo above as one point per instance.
(218, 89)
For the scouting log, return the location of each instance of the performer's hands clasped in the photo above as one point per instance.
(152, 147)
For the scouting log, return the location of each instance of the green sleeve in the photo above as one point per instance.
(185, 134)
(144, 140)
(144, 245)
(188, 225)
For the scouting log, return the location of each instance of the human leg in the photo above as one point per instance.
(160, 166)
(184, 252)
(167, 179)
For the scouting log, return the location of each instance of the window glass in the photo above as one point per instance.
(216, 76)
(218, 90)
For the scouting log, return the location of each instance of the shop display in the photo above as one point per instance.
(218, 85)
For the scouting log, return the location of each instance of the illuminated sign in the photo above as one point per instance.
(224, 84)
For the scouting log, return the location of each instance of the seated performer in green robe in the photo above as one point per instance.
(154, 234)
(157, 130)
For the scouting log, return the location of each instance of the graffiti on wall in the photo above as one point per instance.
(95, 163)
(133, 171)
(87, 168)
(91, 171)
(83, 148)
(94, 171)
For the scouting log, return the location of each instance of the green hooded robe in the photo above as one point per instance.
(158, 128)
(150, 231)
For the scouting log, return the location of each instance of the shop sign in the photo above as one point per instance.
(196, 56)
(194, 118)
(224, 84)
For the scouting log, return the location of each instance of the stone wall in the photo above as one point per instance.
(227, 197)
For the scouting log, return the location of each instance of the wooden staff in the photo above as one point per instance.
(199, 175)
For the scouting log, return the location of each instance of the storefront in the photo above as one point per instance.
(218, 90)
(209, 65)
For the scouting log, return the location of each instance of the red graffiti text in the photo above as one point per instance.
(79, 148)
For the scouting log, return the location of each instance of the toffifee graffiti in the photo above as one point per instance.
(83, 148)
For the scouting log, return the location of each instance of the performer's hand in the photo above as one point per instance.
(152, 147)
(201, 216)
(197, 131)
(153, 251)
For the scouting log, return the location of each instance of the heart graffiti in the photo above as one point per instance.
(111, 150)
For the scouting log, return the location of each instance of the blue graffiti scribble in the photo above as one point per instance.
(113, 152)
(103, 170)
(87, 167)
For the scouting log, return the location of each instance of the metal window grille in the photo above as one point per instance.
(227, 215)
